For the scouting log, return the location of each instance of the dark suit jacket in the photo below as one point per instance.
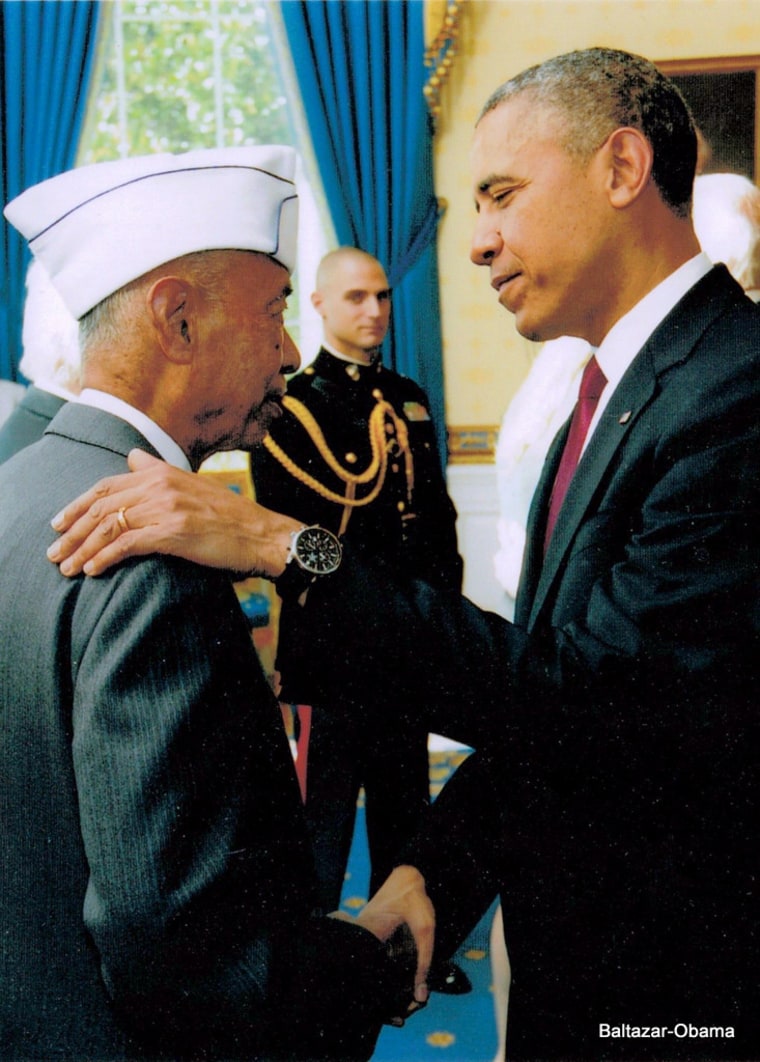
(155, 880)
(28, 421)
(614, 793)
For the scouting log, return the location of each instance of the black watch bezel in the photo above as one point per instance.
(316, 550)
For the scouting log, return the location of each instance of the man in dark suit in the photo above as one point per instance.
(620, 785)
(614, 793)
(355, 451)
(155, 872)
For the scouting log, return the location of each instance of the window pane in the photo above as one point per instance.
(177, 76)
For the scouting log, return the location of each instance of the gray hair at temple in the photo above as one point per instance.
(598, 90)
(727, 222)
(114, 315)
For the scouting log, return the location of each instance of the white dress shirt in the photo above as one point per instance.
(171, 452)
(628, 335)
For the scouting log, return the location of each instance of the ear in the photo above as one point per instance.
(172, 304)
(629, 160)
(316, 301)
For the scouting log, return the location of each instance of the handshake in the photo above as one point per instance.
(402, 917)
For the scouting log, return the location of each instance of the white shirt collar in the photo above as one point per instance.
(161, 442)
(628, 335)
(343, 357)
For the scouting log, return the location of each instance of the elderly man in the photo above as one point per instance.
(155, 875)
(615, 794)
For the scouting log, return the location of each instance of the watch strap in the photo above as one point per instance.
(294, 581)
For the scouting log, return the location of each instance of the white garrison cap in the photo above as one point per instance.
(95, 228)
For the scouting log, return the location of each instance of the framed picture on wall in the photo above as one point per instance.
(723, 96)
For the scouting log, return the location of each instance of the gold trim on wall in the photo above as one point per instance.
(441, 48)
(474, 444)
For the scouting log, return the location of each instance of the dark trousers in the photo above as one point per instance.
(392, 766)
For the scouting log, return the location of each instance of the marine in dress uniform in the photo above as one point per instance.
(356, 453)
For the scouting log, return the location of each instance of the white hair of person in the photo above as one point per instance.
(726, 215)
(50, 337)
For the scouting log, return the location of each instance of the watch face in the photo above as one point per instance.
(317, 550)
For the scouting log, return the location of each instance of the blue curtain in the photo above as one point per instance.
(361, 72)
(47, 49)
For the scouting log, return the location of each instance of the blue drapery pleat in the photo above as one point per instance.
(47, 50)
(361, 72)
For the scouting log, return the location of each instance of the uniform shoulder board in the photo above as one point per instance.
(415, 411)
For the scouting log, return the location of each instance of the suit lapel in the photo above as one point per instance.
(632, 395)
(534, 552)
(670, 344)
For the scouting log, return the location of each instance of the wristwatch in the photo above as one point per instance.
(313, 552)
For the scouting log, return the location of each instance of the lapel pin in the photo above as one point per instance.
(625, 417)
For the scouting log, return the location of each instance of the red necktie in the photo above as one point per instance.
(593, 383)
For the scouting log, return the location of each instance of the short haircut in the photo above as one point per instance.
(598, 90)
(113, 315)
(337, 257)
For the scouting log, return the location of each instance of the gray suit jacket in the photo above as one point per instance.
(155, 879)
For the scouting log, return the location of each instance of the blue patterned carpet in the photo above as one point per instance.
(449, 1028)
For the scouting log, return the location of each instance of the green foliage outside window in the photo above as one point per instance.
(181, 74)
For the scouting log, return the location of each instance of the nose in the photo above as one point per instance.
(291, 357)
(486, 241)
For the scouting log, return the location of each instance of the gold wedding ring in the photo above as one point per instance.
(122, 520)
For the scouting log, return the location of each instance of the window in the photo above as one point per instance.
(175, 75)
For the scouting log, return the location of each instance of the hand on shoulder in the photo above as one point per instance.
(156, 508)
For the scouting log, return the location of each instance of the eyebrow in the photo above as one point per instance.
(485, 185)
(365, 292)
(286, 292)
